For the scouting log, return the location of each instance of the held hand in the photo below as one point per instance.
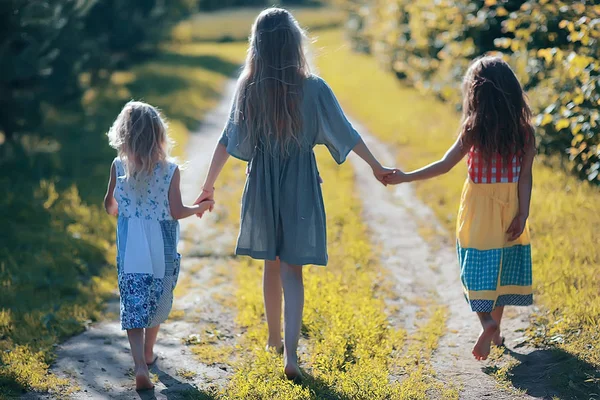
(397, 177)
(113, 210)
(382, 172)
(204, 206)
(516, 227)
(204, 196)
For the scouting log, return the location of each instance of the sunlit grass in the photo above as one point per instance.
(234, 25)
(60, 280)
(350, 348)
(52, 278)
(564, 211)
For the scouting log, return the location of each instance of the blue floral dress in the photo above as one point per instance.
(147, 236)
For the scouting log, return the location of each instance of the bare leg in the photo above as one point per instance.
(293, 291)
(151, 334)
(498, 339)
(142, 376)
(481, 350)
(272, 296)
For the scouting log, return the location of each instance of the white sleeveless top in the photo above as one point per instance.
(143, 205)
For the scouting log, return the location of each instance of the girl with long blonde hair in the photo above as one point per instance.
(279, 113)
(143, 191)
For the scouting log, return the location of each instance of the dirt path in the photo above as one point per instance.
(427, 269)
(98, 361)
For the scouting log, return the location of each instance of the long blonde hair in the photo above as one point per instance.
(269, 96)
(140, 136)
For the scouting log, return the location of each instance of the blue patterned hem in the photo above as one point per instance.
(515, 300)
(139, 299)
(503, 300)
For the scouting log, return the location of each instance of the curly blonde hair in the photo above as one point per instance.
(140, 136)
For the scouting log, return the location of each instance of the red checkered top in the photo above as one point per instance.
(496, 170)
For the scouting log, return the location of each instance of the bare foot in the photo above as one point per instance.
(481, 350)
(292, 371)
(498, 339)
(151, 358)
(142, 379)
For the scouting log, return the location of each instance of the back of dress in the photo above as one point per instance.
(147, 236)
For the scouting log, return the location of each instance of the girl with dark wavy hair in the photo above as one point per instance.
(492, 234)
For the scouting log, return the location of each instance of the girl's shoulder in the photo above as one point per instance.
(315, 82)
(118, 165)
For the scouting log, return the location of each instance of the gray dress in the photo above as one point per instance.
(282, 206)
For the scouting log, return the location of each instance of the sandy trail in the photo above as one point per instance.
(427, 269)
(99, 362)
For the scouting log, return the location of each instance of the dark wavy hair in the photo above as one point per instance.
(496, 117)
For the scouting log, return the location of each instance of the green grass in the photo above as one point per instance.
(351, 349)
(57, 246)
(234, 25)
(564, 215)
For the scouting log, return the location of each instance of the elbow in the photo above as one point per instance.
(107, 204)
(526, 179)
(445, 166)
(177, 213)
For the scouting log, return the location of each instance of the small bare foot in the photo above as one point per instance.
(498, 339)
(292, 371)
(481, 350)
(142, 380)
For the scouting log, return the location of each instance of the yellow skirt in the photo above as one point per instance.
(494, 272)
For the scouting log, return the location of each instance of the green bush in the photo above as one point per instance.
(552, 45)
(210, 5)
(57, 100)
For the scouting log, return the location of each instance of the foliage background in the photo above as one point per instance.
(66, 69)
(553, 47)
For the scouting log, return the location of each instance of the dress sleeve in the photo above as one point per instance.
(234, 136)
(334, 129)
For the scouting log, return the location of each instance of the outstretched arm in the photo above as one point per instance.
(110, 204)
(363, 152)
(219, 159)
(440, 167)
(178, 209)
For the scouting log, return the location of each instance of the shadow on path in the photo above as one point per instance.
(553, 373)
(175, 389)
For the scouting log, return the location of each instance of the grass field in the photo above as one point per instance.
(564, 211)
(65, 249)
(234, 25)
(56, 270)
